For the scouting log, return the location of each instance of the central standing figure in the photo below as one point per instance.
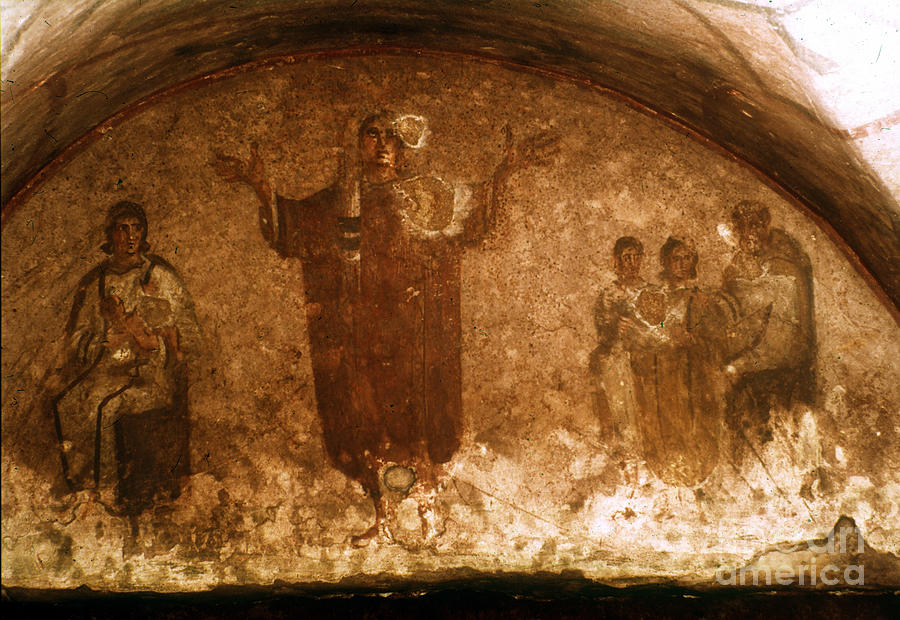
(381, 261)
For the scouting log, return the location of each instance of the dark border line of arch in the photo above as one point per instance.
(677, 124)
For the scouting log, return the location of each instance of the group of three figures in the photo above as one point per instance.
(380, 252)
(676, 365)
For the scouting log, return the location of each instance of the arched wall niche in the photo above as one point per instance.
(425, 365)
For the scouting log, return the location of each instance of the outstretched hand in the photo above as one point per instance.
(235, 170)
(537, 149)
(250, 172)
(626, 326)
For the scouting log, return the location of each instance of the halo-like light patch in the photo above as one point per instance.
(412, 130)
(725, 232)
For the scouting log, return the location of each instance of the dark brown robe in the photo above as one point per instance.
(383, 317)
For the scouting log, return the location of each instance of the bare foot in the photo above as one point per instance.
(363, 539)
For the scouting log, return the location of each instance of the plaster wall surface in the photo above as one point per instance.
(545, 475)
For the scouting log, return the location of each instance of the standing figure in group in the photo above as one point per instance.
(621, 327)
(770, 276)
(678, 373)
(381, 253)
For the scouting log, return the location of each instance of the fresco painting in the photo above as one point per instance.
(122, 420)
(507, 325)
(677, 364)
(381, 262)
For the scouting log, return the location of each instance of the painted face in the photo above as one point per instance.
(752, 235)
(680, 262)
(127, 235)
(628, 263)
(379, 144)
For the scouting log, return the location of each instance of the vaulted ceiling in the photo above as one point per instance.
(732, 72)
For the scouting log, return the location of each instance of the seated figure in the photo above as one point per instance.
(122, 419)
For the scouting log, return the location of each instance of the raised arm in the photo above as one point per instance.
(537, 149)
(252, 173)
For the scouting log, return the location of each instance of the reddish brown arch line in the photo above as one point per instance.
(21, 196)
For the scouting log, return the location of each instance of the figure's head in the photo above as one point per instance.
(751, 223)
(380, 147)
(628, 253)
(679, 260)
(126, 231)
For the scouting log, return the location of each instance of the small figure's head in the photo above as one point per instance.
(126, 231)
(380, 147)
(751, 223)
(679, 260)
(628, 253)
